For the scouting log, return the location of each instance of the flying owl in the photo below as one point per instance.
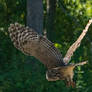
(31, 43)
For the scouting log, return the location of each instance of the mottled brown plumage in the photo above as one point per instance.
(33, 44)
(29, 42)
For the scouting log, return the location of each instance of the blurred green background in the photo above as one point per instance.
(20, 73)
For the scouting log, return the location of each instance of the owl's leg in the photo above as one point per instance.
(70, 82)
(73, 84)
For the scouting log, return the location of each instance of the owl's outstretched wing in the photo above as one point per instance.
(30, 43)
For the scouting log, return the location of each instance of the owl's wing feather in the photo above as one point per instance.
(30, 43)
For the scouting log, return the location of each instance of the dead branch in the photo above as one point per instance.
(76, 44)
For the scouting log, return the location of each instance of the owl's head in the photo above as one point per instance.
(61, 73)
(53, 74)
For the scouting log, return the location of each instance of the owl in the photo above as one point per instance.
(31, 43)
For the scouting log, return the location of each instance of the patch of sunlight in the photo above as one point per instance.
(6, 33)
(79, 68)
(17, 2)
(79, 6)
(80, 58)
(57, 45)
(90, 71)
(73, 0)
(22, 15)
(88, 9)
(77, 2)
(1, 29)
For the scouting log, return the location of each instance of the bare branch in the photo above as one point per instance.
(76, 44)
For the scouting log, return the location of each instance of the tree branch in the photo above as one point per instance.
(76, 44)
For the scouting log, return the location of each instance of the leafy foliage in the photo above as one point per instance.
(23, 73)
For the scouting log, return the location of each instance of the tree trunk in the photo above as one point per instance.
(35, 15)
(51, 8)
(35, 19)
